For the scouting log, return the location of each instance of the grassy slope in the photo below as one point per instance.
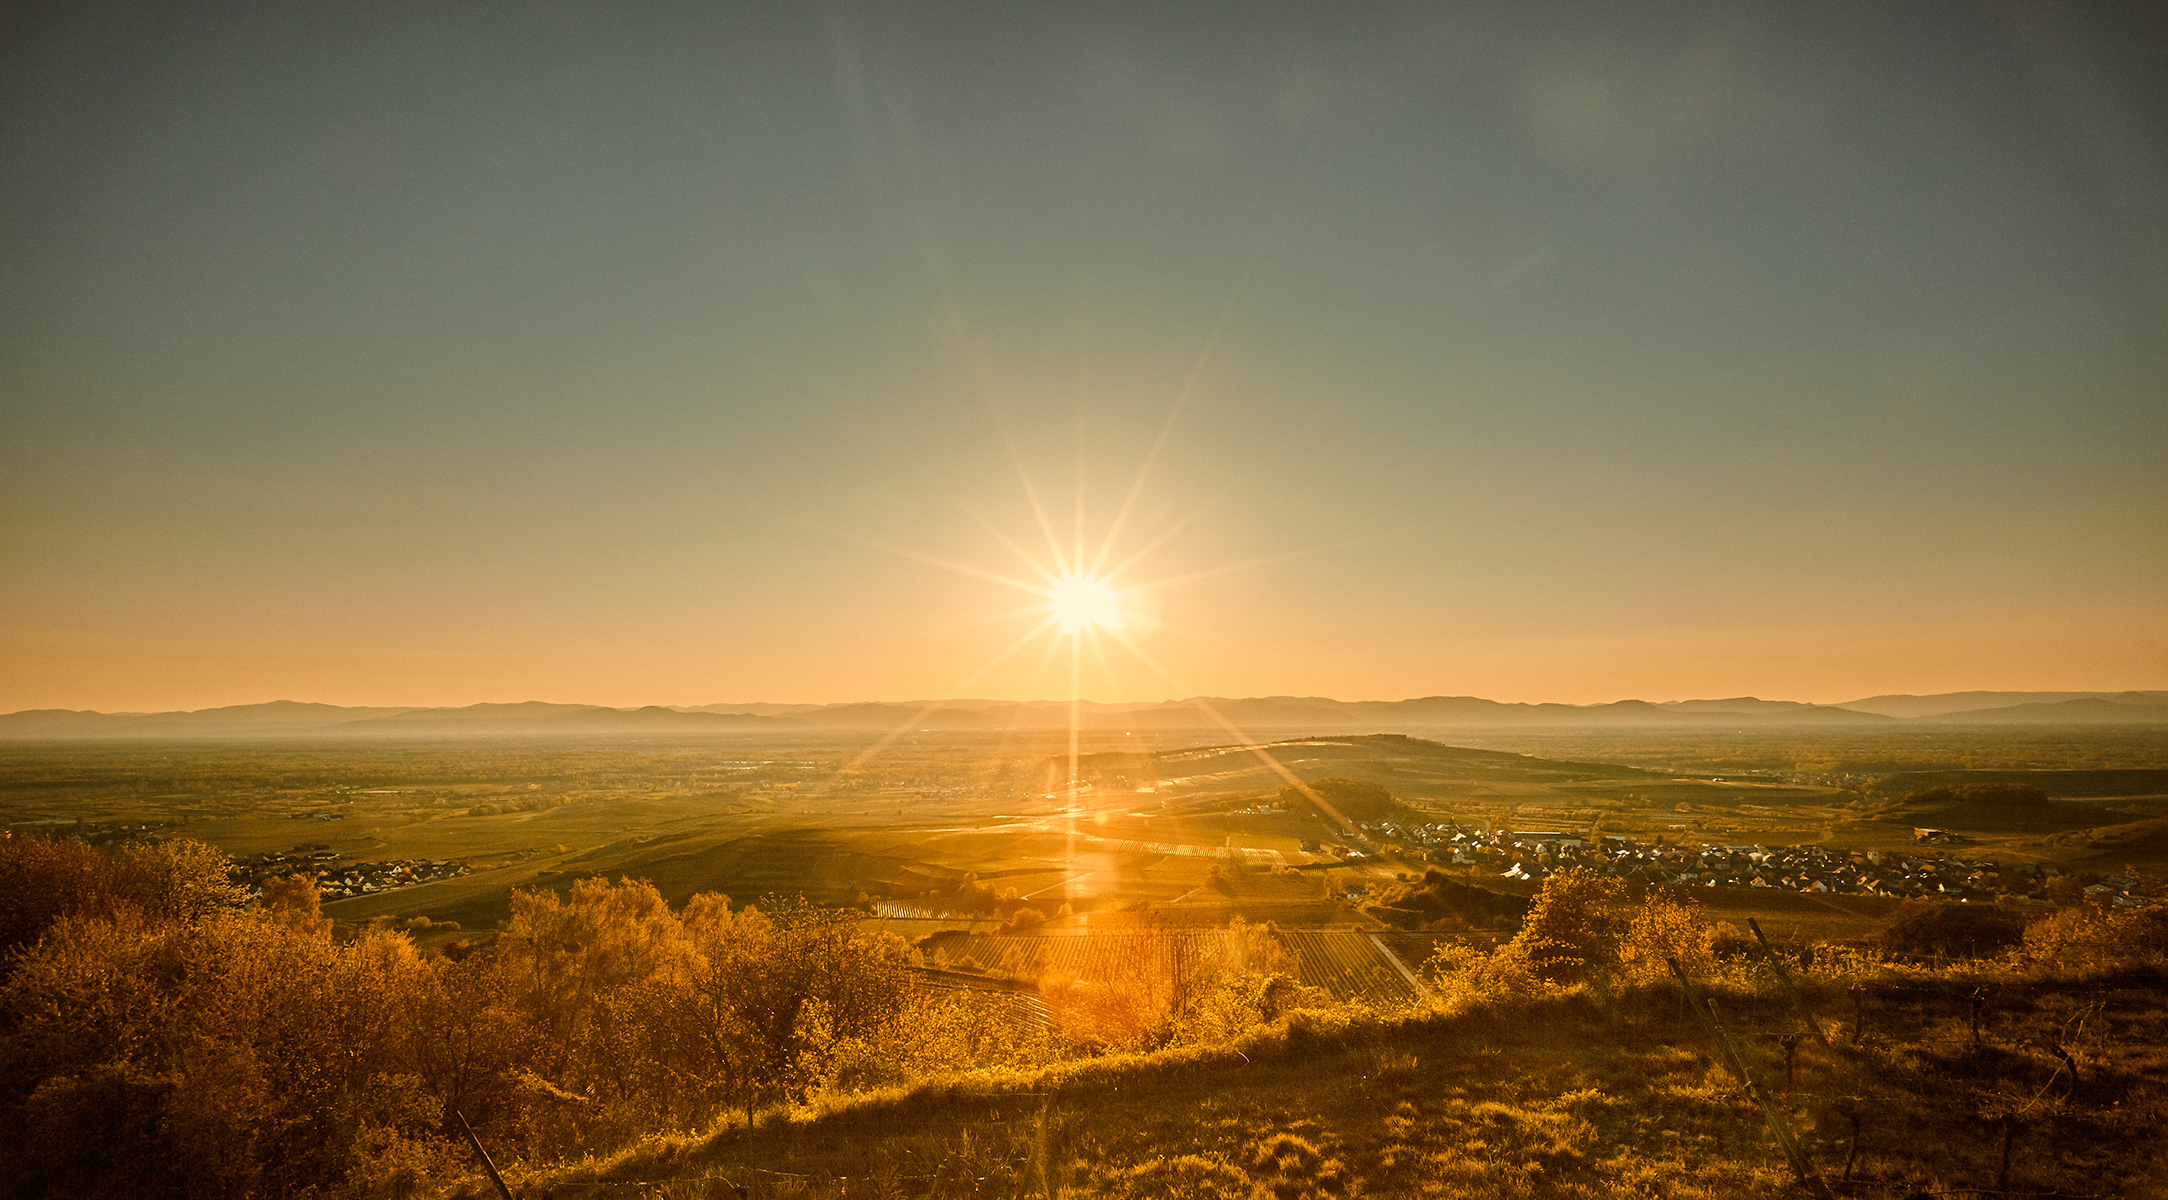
(1565, 1097)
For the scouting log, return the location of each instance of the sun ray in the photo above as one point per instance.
(978, 364)
(1062, 565)
(1166, 535)
(1007, 616)
(1182, 398)
(1007, 543)
(1249, 564)
(1247, 742)
(1076, 542)
(944, 563)
(1136, 489)
(1046, 659)
(1099, 653)
(986, 669)
(1076, 710)
(1081, 600)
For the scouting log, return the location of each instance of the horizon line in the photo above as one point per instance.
(986, 700)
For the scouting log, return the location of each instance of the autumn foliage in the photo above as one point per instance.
(160, 1037)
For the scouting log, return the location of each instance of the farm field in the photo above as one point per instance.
(963, 832)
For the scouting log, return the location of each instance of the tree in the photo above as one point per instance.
(294, 901)
(790, 995)
(1351, 799)
(1572, 932)
(565, 955)
(43, 880)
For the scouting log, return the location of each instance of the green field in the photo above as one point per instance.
(926, 826)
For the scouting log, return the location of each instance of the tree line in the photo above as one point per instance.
(163, 1035)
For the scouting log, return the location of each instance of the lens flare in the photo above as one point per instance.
(1082, 601)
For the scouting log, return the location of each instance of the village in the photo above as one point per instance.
(1531, 856)
(336, 880)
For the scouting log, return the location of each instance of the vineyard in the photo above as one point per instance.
(1351, 965)
(1348, 964)
(1414, 947)
(1096, 956)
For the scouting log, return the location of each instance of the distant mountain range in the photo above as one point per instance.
(1970, 704)
(1278, 714)
(288, 718)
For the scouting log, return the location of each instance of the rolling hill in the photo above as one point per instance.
(1279, 715)
(286, 718)
(1973, 704)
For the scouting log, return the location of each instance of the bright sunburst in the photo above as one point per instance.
(1084, 589)
(1083, 601)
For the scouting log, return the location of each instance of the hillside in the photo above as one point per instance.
(2115, 847)
(1998, 807)
(1279, 714)
(1564, 1097)
(1949, 703)
(609, 1041)
(283, 719)
(2128, 708)
(1273, 715)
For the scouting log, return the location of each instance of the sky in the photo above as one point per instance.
(692, 353)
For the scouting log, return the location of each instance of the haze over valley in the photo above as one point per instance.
(1279, 713)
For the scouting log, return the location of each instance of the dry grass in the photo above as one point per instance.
(1569, 1095)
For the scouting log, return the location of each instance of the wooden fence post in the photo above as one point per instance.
(1046, 1158)
(1799, 1000)
(486, 1164)
(1779, 1128)
(1851, 1113)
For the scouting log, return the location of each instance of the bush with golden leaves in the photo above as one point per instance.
(2089, 939)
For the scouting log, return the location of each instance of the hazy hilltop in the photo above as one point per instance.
(1739, 704)
(1969, 704)
(276, 715)
(1311, 713)
(1279, 714)
(286, 718)
(2125, 708)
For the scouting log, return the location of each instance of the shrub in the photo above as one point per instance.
(2084, 938)
(1024, 918)
(1572, 932)
(43, 880)
(1661, 928)
(1997, 795)
(294, 901)
(1436, 901)
(237, 1054)
(1352, 799)
(1949, 930)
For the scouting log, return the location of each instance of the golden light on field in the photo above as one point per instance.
(1082, 601)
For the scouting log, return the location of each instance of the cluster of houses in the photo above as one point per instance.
(336, 880)
(1532, 856)
(117, 833)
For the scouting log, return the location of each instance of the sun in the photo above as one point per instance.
(1080, 587)
(1080, 602)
